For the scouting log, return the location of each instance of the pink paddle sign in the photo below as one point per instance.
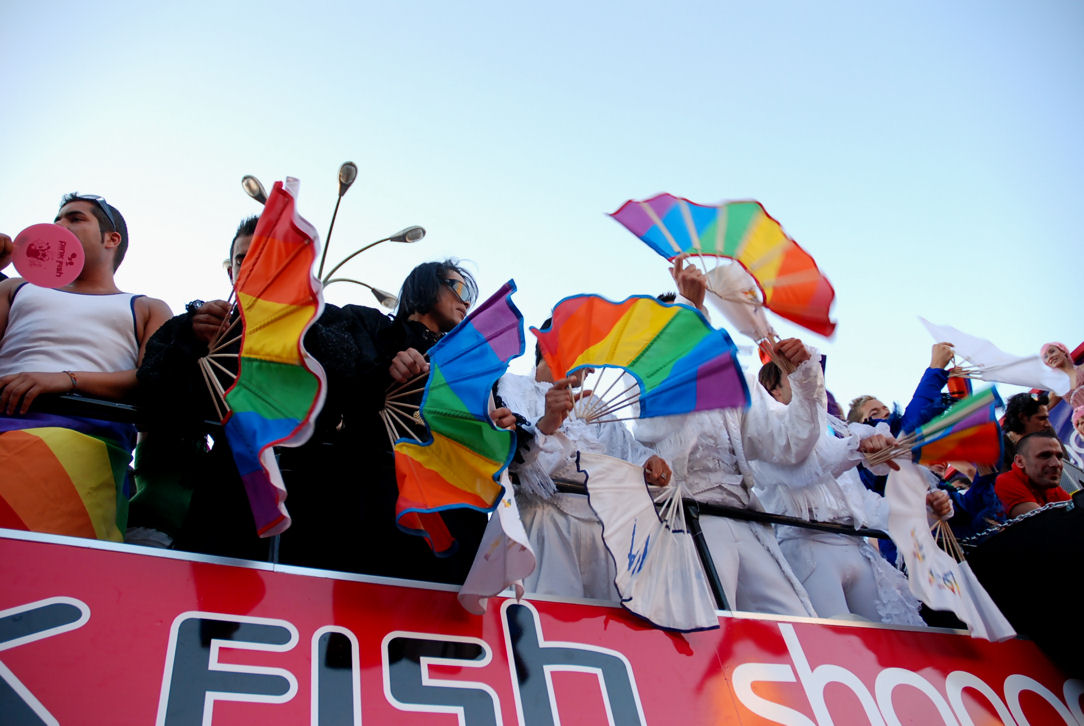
(48, 255)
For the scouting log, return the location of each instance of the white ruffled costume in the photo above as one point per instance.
(562, 528)
(710, 452)
(842, 573)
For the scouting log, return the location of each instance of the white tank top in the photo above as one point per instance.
(53, 330)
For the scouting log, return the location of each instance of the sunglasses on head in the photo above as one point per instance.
(102, 205)
(461, 290)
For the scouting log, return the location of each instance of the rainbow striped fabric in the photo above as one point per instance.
(967, 431)
(787, 275)
(64, 475)
(681, 363)
(279, 388)
(460, 465)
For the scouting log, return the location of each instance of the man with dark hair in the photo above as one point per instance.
(1034, 477)
(86, 337)
(109, 221)
(1025, 413)
(244, 233)
(207, 317)
(193, 494)
(189, 495)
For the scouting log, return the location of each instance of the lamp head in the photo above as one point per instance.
(254, 188)
(386, 299)
(408, 235)
(348, 172)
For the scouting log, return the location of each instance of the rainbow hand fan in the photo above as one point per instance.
(278, 388)
(460, 465)
(967, 431)
(787, 276)
(677, 362)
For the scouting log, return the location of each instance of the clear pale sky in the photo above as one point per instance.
(929, 155)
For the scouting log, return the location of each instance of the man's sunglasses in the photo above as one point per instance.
(461, 290)
(102, 205)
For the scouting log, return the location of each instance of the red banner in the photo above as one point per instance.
(96, 633)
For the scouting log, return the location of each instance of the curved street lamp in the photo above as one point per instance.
(348, 174)
(408, 235)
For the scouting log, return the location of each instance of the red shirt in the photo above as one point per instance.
(1013, 487)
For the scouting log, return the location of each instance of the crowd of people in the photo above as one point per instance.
(793, 451)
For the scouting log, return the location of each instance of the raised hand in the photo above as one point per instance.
(690, 281)
(207, 320)
(559, 403)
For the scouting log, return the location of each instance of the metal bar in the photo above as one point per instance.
(74, 404)
(692, 521)
(749, 515)
(69, 404)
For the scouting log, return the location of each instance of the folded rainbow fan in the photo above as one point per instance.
(278, 388)
(678, 363)
(460, 465)
(967, 431)
(787, 279)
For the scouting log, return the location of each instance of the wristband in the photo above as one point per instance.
(74, 380)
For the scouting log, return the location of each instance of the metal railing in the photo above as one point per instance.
(693, 510)
(85, 406)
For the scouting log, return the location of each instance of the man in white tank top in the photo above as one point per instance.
(84, 338)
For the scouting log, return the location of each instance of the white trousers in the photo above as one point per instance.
(845, 575)
(572, 560)
(753, 572)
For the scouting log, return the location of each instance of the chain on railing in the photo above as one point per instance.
(974, 540)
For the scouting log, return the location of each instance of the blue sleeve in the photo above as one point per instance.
(981, 501)
(871, 481)
(962, 519)
(926, 403)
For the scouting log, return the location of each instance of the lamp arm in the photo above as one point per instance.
(327, 240)
(326, 283)
(349, 257)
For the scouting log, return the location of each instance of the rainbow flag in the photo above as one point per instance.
(792, 284)
(460, 465)
(280, 388)
(681, 363)
(967, 431)
(64, 475)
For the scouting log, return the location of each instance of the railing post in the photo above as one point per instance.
(692, 521)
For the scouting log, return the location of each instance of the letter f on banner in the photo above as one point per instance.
(194, 678)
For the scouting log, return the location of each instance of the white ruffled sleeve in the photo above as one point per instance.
(543, 454)
(787, 434)
(863, 432)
